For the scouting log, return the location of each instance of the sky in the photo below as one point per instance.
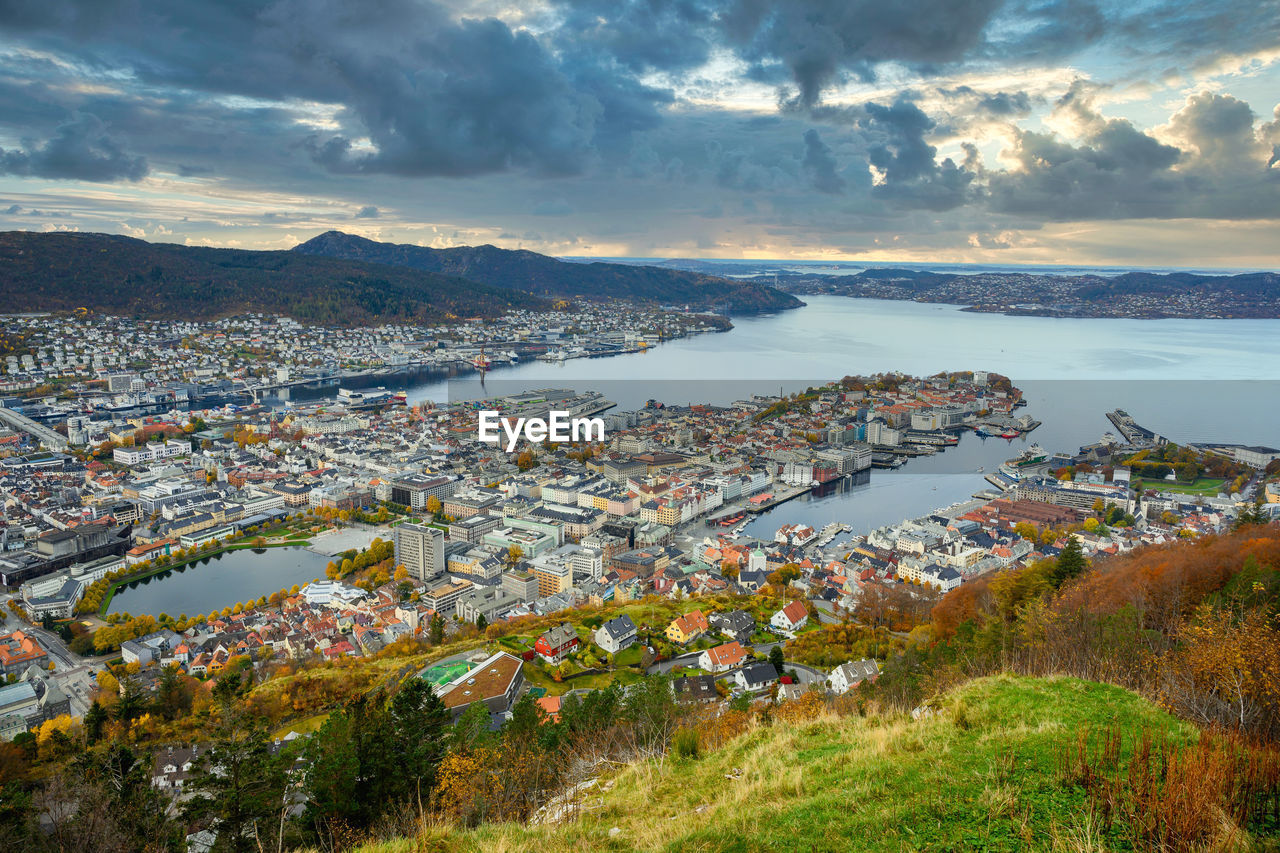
(1140, 132)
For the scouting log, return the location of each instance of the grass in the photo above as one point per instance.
(980, 773)
(303, 726)
(1206, 486)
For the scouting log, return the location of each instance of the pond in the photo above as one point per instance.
(219, 581)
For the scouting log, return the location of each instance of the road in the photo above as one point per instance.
(76, 676)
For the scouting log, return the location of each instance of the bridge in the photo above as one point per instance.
(50, 439)
(258, 391)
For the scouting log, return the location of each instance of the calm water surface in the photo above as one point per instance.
(220, 581)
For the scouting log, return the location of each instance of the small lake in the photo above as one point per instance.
(220, 581)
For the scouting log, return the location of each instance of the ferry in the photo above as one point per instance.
(1026, 461)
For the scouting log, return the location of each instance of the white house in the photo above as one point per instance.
(849, 675)
(791, 618)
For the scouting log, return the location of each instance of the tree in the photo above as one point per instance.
(514, 555)
(481, 622)
(1070, 563)
(777, 658)
(237, 783)
(433, 505)
(437, 630)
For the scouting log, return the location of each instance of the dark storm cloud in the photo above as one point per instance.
(1117, 171)
(818, 40)
(79, 150)
(434, 96)
(639, 35)
(820, 165)
(367, 212)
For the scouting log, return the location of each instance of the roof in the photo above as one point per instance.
(619, 627)
(795, 611)
(758, 673)
(559, 635)
(491, 679)
(695, 687)
(728, 653)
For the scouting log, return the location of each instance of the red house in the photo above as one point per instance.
(556, 644)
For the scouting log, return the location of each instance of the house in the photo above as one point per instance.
(849, 675)
(687, 628)
(695, 688)
(496, 682)
(735, 625)
(557, 643)
(616, 634)
(791, 618)
(172, 766)
(722, 658)
(755, 677)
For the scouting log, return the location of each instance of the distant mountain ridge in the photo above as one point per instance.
(530, 272)
(1133, 294)
(119, 275)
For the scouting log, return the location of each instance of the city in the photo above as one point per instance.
(711, 425)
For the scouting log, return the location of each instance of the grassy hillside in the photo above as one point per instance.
(546, 276)
(124, 276)
(981, 771)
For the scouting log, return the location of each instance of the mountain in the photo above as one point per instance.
(120, 275)
(546, 276)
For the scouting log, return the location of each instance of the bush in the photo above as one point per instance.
(685, 743)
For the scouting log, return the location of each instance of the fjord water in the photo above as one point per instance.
(1192, 380)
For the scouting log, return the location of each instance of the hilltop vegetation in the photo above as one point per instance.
(1131, 704)
(546, 276)
(123, 276)
(981, 771)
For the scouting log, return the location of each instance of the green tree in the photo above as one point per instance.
(1070, 563)
(777, 658)
(237, 784)
(437, 629)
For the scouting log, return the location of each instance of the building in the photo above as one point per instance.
(723, 657)
(736, 624)
(472, 529)
(521, 585)
(687, 628)
(420, 549)
(695, 688)
(496, 682)
(151, 452)
(554, 574)
(791, 618)
(18, 651)
(444, 599)
(849, 675)
(557, 643)
(755, 677)
(616, 634)
(414, 490)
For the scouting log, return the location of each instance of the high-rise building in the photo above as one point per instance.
(420, 549)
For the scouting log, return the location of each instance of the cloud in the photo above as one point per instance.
(367, 212)
(816, 41)
(552, 207)
(1116, 171)
(820, 165)
(79, 150)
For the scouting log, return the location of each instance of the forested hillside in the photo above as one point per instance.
(128, 277)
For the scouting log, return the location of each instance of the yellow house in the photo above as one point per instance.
(687, 628)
